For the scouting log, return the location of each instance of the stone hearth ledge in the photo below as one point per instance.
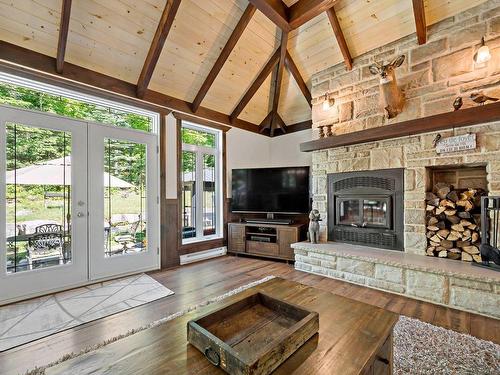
(446, 282)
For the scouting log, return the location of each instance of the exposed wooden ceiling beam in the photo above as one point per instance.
(272, 122)
(305, 10)
(63, 35)
(292, 68)
(162, 31)
(332, 16)
(278, 124)
(226, 51)
(264, 73)
(419, 14)
(36, 66)
(279, 77)
(266, 123)
(275, 10)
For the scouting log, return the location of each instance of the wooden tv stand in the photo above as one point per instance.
(265, 240)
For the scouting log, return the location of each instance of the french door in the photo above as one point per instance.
(123, 228)
(78, 202)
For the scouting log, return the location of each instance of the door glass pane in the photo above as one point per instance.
(375, 212)
(209, 196)
(188, 194)
(124, 197)
(38, 197)
(349, 212)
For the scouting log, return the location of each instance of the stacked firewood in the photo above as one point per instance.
(453, 219)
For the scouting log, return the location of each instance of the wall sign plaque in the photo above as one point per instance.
(458, 143)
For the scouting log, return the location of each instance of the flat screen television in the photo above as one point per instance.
(271, 190)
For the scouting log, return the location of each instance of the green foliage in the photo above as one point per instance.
(197, 138)
(27, 145)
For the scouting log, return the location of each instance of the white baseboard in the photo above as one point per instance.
(203, 255)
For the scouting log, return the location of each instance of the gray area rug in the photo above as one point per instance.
(419, 348)
(33, 319)
(422, 348)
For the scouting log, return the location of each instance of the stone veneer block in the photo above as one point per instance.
(473, 299)
(357, 267)
(426, 285)
(385, 285)
(471, 284)
(389, 273)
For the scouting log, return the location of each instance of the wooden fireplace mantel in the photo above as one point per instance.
(464, 117)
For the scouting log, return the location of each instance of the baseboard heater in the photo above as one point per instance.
(203, 255)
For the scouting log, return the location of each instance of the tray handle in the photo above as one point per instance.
(212, 356)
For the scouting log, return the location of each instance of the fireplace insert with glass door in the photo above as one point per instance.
(366, 208)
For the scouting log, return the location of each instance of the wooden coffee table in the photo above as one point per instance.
(354, 338)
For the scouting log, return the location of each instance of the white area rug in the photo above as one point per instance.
(30, 320)
(419, 348)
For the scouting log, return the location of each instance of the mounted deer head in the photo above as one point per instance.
(392, 98)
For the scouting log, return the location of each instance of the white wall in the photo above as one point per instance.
(249, 150)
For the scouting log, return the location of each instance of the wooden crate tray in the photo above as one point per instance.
(253, 335)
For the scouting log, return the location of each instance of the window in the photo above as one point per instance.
(201, 183)
(23, 93)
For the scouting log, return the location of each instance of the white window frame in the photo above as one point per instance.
(199, 152)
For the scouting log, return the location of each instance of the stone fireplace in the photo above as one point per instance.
(366, 208)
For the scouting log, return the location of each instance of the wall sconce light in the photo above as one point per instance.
(483, 53)
(328, 102)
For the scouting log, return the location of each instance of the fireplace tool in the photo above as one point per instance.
(490, 218)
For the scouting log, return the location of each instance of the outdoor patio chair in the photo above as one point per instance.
(49, 228)
(45, 247)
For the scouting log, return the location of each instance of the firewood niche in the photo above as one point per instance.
(453, 212)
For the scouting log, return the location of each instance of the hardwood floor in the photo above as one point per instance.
(197, 282)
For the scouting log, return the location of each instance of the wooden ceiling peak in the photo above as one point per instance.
(419, 14)
(290, 18)
(63, 35)
(305, 10)
(162, 31)
(275, 10)
(224, 55)
(337, 30)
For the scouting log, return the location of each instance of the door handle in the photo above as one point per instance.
(80, 214)
(81, 203)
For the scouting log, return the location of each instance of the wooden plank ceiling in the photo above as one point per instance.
(213, 50)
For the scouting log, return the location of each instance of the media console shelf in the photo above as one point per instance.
(265, 240)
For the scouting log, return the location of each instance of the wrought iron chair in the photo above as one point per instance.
(49, 228)
(44, 247)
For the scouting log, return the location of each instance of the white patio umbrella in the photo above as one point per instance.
(55, 172)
